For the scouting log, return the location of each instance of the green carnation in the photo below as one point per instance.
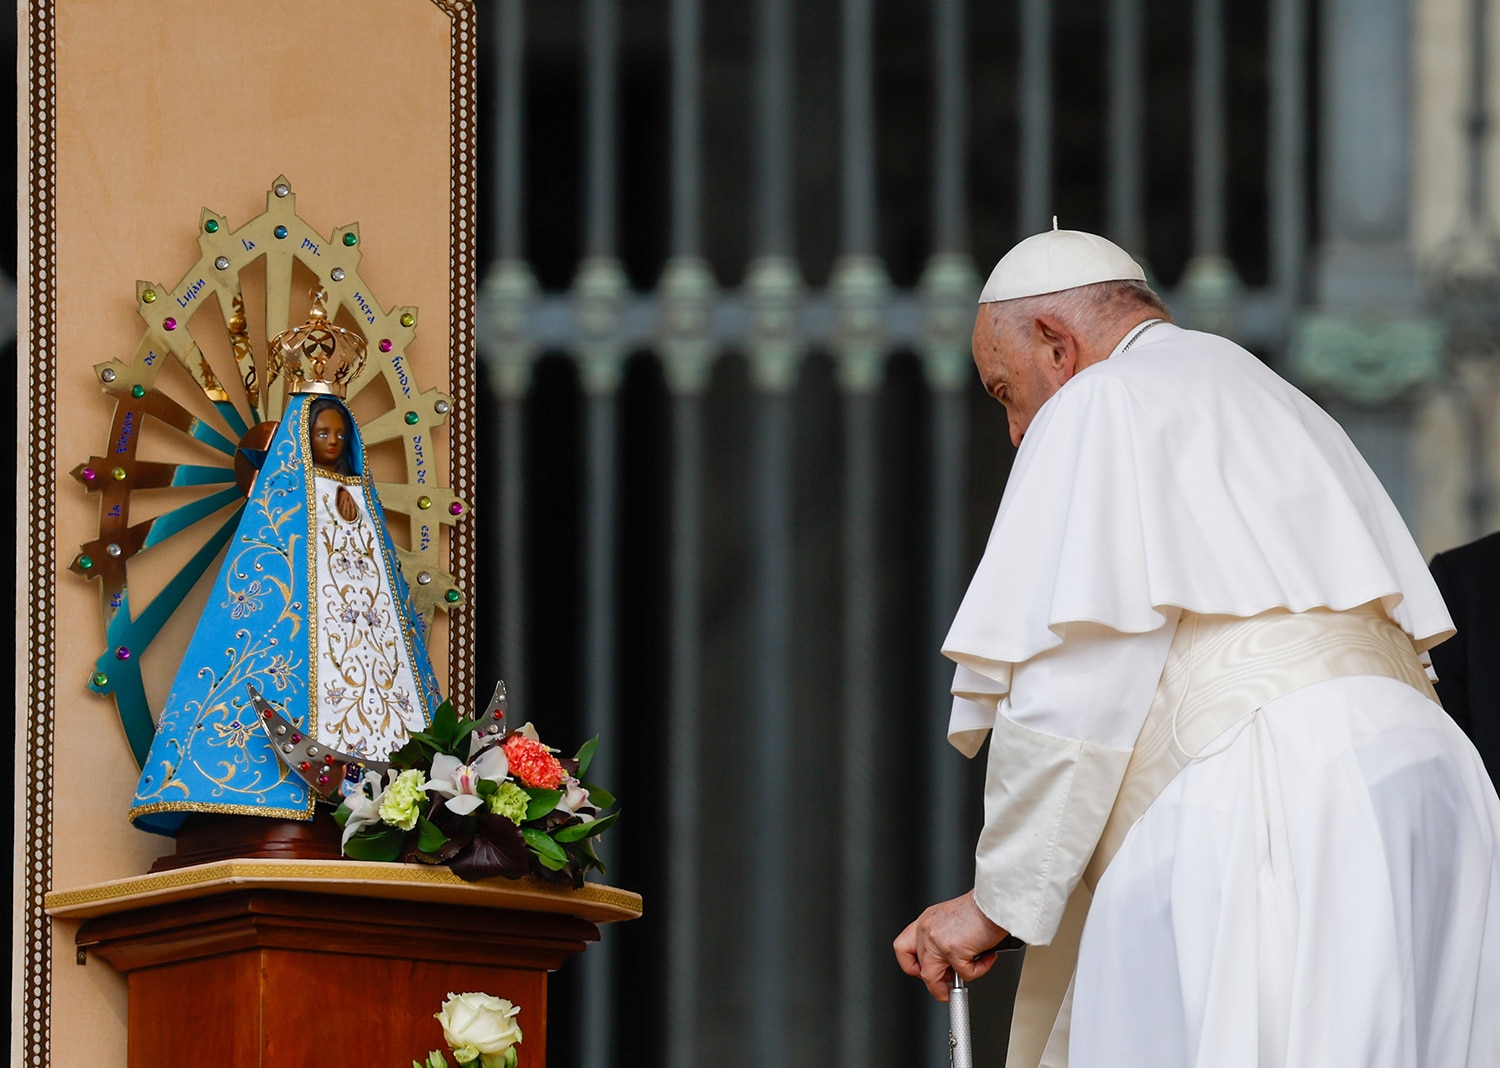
(403, 799)
(510, 801)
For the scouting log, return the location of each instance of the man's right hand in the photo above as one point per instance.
(952, 936)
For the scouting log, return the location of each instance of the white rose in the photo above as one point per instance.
(480, 1022)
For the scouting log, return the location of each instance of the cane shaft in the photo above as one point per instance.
(960, 1052)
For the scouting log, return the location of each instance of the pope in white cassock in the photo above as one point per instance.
(1223, 808)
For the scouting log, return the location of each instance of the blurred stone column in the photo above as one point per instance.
(1369, 347)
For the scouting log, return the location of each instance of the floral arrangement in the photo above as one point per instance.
(507, 806)
(480, 1030)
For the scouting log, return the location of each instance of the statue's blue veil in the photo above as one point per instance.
(210, 754)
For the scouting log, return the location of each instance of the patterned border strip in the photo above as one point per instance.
(598, 904)
(461, 370)
(36, 742)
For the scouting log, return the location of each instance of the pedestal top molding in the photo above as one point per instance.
(406, 882)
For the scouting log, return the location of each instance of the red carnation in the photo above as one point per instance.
(532, 763)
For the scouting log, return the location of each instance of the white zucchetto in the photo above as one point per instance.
(1056, 260)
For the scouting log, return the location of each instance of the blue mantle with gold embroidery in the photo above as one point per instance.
(311, 609)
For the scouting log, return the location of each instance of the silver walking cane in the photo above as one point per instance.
(960, 1052)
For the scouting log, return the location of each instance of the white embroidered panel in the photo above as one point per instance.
(366, 696)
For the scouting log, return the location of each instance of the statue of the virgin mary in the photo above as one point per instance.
(309, 609)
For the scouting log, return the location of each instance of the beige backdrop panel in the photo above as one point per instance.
(162, 109)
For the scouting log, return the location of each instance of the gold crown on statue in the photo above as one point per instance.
(317, 357)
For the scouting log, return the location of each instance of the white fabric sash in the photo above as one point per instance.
(1219, 671)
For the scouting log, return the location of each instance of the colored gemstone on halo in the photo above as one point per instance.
(351, 239)
(424, 503)
(452, 596)
(101, 679)
(408, 319)
(296, 738)
(90, 474)
(169, 323)
(149, 296)
(305, 766)
(328, 759)
(411, 418)
(385, 344)
(122, 653)
(457, 508)
(118, 474)
(85, 562)
(212, 226)
(280, 232)
(137, 391)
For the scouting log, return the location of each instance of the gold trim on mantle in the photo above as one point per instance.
(352, 878)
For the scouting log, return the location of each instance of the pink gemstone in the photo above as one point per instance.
(89, 473)
(296, 738)
(385, 344)
(456, 508)
(169, 323)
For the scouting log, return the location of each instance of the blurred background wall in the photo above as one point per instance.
(736, 466)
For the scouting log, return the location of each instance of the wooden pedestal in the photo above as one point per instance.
(275, 964)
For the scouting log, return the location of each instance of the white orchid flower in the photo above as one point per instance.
(574, 797)
(364, 810)
(459, 782)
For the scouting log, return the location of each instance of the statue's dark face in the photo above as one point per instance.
(328, 434)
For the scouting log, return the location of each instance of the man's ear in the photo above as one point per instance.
(1063, 345)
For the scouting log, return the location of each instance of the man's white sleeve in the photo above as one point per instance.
(1062, 739)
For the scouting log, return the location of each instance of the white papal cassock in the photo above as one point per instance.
(1218, 777)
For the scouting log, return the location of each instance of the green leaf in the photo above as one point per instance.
(586, 755)
(466, 728)
(487, 788)
(417, 752)
(585, 849)
(551, 864)
(429, 838)
(542, 801)
(577, 832)
(599, 797)
(341, 814)
(384, 844)
(541, 842)
(444, 725)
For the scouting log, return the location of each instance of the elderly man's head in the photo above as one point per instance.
(1056, 303)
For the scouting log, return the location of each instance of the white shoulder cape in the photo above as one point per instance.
(1183, 473)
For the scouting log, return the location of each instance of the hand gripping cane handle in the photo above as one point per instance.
(960, 1052)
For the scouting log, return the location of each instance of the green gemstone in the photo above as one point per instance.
(85, 562)
(212, 226)
(451, 596)
(408, 319)
(137, 391)
(411, 418)
(101, 679)
(351, 239)
(149, 296)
